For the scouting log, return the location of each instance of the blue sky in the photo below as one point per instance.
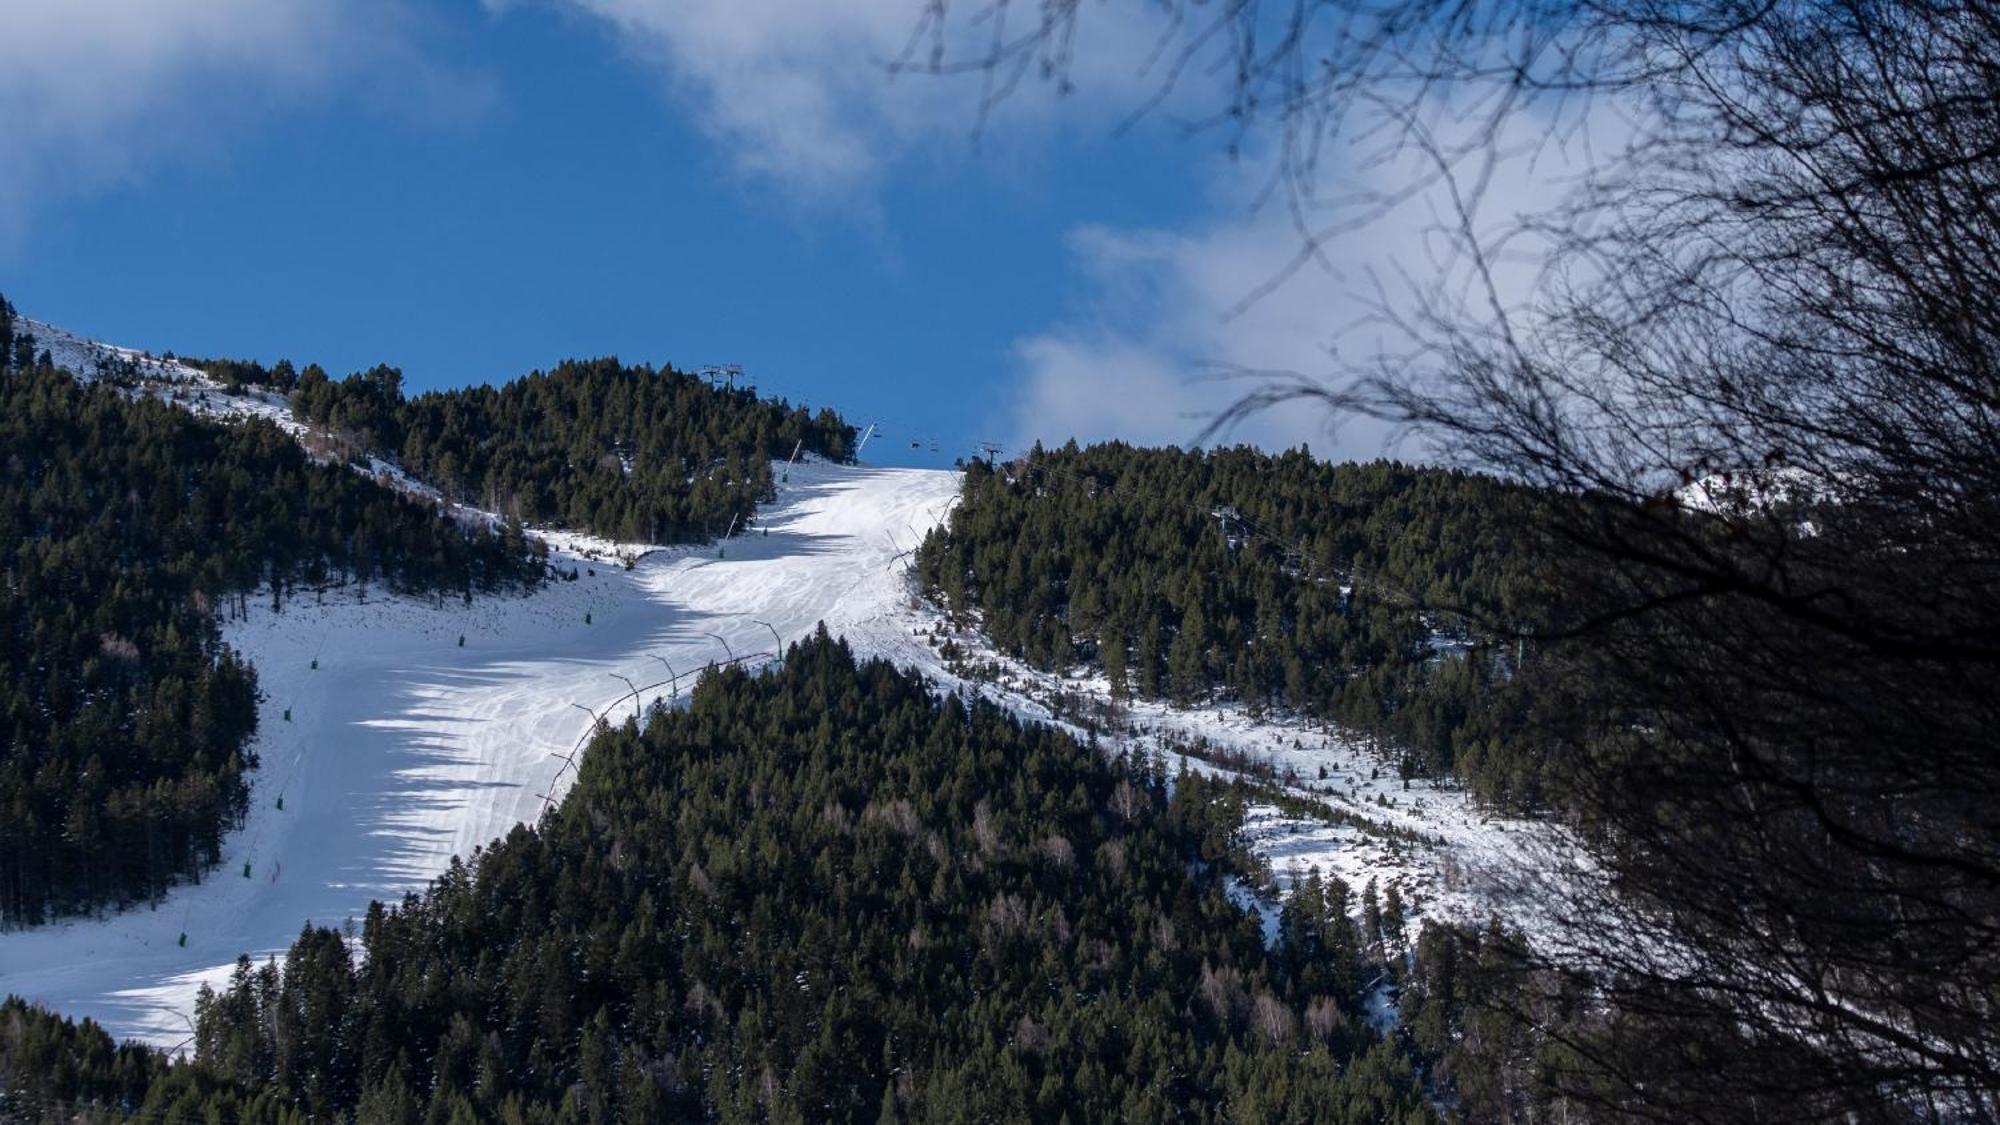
(471, 190)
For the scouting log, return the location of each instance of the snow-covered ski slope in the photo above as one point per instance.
(404, 749)
(394, 748)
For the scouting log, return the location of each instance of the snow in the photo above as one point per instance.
(142, 373)
(1447, 857)
(88, 359)
(405, 749)
(1270, 916)
(1749, 491)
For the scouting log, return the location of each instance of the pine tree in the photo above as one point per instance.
(1187, 657)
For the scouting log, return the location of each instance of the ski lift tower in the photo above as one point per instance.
(992, 451)
(723, 372)
(1231, 522)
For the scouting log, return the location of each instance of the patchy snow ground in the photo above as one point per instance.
(169, 380)
(403, 749)
(142, 373)
(1447, 858)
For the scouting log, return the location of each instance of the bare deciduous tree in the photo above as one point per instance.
(1762, 365)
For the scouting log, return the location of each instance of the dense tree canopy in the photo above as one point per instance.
(825, 894)
(1338, 590)
(632, 453)
(128, 529)
(57, 1070)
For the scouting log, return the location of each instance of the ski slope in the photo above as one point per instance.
(404, 749)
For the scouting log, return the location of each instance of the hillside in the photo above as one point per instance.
(1383, 597)
(405, 748)
(127, 748)
(631, 453)
(823, 894)
(399, 731)
(129, 533)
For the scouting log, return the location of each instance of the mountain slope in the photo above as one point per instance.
(634, 453)
(1345, 592)
(405, 749)
(127, 530)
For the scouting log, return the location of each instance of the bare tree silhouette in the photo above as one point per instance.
(1762, 359)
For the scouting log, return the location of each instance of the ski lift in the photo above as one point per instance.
(1230, 520)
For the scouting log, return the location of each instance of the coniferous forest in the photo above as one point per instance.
(1340, 591)
(632, 453)
(128, 530)
(817, 894)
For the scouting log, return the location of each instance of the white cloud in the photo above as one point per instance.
(1167, 310)
(1152, 357)
(797, 93)
(800, 92)
(95, 92)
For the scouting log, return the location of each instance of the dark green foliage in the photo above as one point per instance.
(1478, 1020)
(1502, 1037)
(127, 528)
(6, 334)
(627, 452)
(55, 1071)
(235, 374)
(824, 895)
(1336, 590)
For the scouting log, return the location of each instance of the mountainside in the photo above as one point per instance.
(131, 523)
(400, 730)
(128, 532)
(1344, 592)
(819, 894)
(405, 747)
(631, 453)
(815, 867)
